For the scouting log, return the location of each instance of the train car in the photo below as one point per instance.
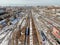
(14, 21)
(3, 23)
(43, 36)
(27, 31)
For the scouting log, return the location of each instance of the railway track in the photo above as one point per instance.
(33, 34)
(50, 27)
(47, 26)
(35, 38)
(30, 30)
(6, 33)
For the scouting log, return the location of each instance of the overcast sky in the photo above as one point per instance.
(28, 2)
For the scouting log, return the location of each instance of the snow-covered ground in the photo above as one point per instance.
(42, 26)
(31, 35)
